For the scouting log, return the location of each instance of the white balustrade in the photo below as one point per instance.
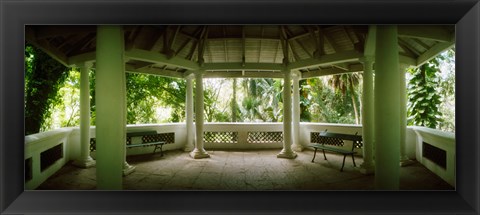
(229, 136)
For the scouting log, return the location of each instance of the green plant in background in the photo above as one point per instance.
(347, 82)
(44, 77)
(423, 98)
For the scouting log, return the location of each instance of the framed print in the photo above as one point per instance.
(18, 15)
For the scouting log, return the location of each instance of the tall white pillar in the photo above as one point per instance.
(387, 109)
(189, 114)
(287, 151)
(296, 113)
(367, 167)
(110, 104)
(85, 160)
(199, 151)
(404, 159)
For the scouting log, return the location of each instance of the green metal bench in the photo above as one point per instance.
(321, 139)
(149, 138)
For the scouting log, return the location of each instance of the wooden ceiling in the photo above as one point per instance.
(240, 50)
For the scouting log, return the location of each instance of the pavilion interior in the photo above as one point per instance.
(289, 52)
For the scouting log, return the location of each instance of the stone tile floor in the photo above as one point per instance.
(243, 170)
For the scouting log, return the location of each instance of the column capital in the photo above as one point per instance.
(404, 66)
(86, 64)
(296, 74)
(189, 75)
(367, 59)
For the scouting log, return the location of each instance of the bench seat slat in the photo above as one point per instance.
(146, 144)
(341, 151)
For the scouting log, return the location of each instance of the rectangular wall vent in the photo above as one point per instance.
(50, 156)
(435, 154)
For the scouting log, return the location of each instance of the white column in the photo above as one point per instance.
(85, 160)
(404, 159)
(189, 113)
(387, 109)
(367, 167)
(199, 151)
(287, 151)
(110, 104)
(127, 168)
(296, 113)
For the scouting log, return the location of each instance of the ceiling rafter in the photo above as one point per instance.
(260, 46)
(344, 28)
(421, 43)
(429, 32)
(132, 37)
(332, 42)
(243, 45)
(158, 36)
(169, 40)
(201, 45)
(295, 54)
(284, 42)
(81, 43)
(196, 33)
(225, 43)
(45, 32)
(406, 46)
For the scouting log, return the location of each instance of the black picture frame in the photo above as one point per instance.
(465, 14)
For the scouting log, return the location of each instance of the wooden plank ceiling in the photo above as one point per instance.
(230, 50)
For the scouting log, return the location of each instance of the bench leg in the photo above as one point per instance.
(314, 154)
(343, 164)
(353, 158)
(324, 154)
(161, 150)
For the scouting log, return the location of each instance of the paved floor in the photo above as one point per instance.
(243, 170)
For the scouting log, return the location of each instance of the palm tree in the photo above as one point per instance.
(347, 82)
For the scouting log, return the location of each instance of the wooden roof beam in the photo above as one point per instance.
(428, 32)
(44, 45)
(44, 32)
(434, 51)
(336, 58)
(159, 58)
(154, 71)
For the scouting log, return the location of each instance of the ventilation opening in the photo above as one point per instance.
(28, 169)
(435, 154)
(50, 156)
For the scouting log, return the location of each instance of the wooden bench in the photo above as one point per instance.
(335, 139)
(149, 138)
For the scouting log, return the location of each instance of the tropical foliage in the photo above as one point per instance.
(52, 96)
(44, 77)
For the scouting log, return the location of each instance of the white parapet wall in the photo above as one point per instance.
(45, 153)
(436, 151)
(234, 136)
(243, 135)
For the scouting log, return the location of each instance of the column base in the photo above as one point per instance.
(297, 147)
(86, 163)
(199, 154)
(188, 149)
(287, 154)
(127, 169)
(366, 169)
(406, 162)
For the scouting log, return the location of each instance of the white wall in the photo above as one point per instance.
(70, 137)
(442, 140)
(36, 144)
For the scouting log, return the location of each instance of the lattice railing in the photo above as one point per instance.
(169, 138)
(220, 137)
(316, 138)
(265, 137)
